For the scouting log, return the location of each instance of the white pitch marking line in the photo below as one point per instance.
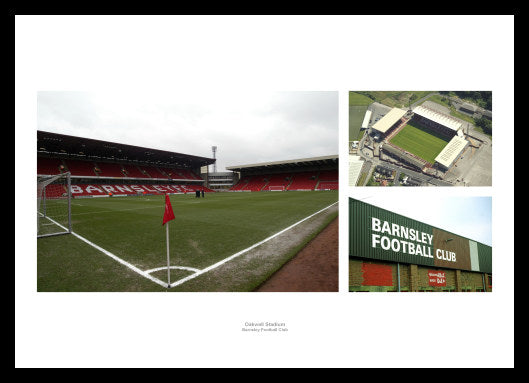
(116, 258)
(221, 262)
(173, 267)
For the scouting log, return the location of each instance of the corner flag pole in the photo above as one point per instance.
(168, 258)
(168, 215)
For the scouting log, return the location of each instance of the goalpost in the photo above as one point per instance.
(276, 188)
(54, 197)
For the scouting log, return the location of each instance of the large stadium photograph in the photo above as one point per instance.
(224, 192)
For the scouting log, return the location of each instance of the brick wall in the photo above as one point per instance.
(370, 275)
(471, 281)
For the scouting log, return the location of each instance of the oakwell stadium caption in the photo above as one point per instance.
(264, 327)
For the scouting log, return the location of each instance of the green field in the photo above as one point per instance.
(358, 99)
(399, 99)
(204, 232)
(356, 117)
(420, 141)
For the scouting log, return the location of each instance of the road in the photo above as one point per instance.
(420, 100)
(413, 174)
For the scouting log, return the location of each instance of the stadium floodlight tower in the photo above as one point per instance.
(214, 150)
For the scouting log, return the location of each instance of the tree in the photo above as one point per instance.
(484, 124)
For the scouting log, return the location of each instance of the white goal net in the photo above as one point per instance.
(54, 205)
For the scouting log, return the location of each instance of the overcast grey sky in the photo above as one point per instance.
(246, 127)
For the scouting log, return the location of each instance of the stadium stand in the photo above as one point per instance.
(110, 170)
(56, 191)
(81, 168)
(290, 181)
(154, 172)
(144, 170)
(241, 184)
(303, 181)
(328, 175)
(255, 183)
(315, 173)
(48, 166)
(327, 185)
(440, 122)
(85, 190)
(132, 171)
(170, 173)
(100, 168)
(278, 180)
(186, 174)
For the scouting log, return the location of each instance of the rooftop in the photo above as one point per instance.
(389, 120)
(451, 151)
(440, 118)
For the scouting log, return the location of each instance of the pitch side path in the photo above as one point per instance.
(223, 242)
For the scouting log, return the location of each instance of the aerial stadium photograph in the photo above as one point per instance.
(187, 192)
(420, 138)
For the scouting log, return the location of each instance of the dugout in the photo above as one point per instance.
(390, 252)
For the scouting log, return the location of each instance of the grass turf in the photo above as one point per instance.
(420, 141)
(205, 231)
(357, 99)
(356, 117)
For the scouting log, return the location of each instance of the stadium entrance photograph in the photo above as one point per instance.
(216, 192)
(420, 138)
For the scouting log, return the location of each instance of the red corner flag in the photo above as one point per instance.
(168, 214)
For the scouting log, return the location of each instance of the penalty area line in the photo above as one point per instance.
(221, 262)
(114, 257)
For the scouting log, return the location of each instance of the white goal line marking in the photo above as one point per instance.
(221, 262)
(114, 257)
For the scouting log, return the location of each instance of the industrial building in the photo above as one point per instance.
(394, 253)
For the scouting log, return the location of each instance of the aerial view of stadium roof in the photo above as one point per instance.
(451, 151)
(437, 117)
(389, 120)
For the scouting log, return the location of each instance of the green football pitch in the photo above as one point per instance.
(421, 141)
(119, 243)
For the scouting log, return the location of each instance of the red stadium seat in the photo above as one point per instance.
(303, 181)
(48, 166)
(81, 168)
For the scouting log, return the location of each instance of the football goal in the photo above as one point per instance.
(54, 205)
(276, 188)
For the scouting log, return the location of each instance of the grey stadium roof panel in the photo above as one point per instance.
(301, 162)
